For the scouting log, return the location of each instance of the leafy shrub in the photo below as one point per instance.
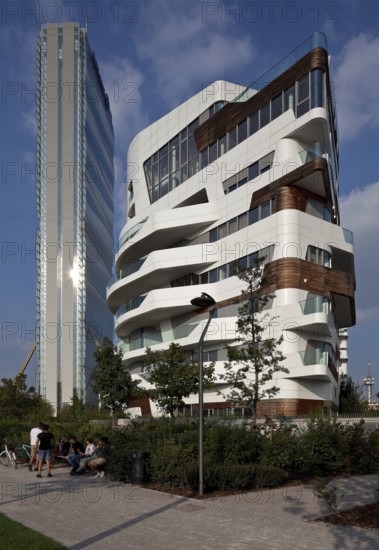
(282, 449)
(358, 449)
(171, 456)
(242, 476)
(232, 445)
(269, 476)
(321, 447)
(124, 441)
(229, 476)
(15, 432)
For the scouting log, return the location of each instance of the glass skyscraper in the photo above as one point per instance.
(75, 208)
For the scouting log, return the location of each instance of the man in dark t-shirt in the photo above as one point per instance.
(74, 458)
(44, 450)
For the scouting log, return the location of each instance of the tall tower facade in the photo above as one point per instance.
(75, 209)
(236, 174)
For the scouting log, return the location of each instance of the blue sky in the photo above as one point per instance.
(152, 56)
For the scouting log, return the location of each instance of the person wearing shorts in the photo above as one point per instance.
(44, 450)
(34, 445)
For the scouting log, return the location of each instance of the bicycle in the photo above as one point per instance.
(23, 453)
(8, 457)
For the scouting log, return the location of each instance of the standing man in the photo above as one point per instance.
(34, 446)
(44, 450)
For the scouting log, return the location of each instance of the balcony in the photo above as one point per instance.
(132, 268)
(162, 304)
(129, 306)
(156, 271)
(164, 230)
(313, 151)
(313, 316)
(131, 233)
(150, 339)
(319, 304)
(348, 236)
(316, 40)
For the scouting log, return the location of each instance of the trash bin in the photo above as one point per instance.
(138, 474)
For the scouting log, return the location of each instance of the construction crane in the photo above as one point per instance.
(90, 332)
(26, 362)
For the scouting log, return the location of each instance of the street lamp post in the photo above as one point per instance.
(202, 301)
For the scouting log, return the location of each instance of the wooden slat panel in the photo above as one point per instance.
(234, 113)
(318, 167)
(297, 273)
(143, 403)
(289, 407)
(273, 407)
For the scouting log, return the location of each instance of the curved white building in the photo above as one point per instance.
(229, 174)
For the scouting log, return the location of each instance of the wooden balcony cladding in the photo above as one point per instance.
(297, 273)
(288, 195)
(234, 113)
(308, 276)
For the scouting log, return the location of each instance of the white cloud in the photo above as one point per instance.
(30, 120)
(122, 83)
(357, 84)
(23, 43)
(184, 50)
(359, 213)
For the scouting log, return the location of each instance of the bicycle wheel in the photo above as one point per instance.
(4, 460)
(21, 456)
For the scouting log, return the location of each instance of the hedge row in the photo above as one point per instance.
(236, 458)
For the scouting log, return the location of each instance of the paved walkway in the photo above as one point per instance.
(85, 512)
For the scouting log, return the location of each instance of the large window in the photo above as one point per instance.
(241, 221)
(319, 256)
(228, 270)
(249, 173)
(179, 159)
(318, 209)
(303, 95)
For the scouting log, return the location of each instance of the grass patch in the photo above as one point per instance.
(14, 535)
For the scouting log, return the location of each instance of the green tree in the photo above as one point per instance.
(19, 402)
(351, 397)
(253, 363)
(111, 379)
(73, 411)
(173, 377)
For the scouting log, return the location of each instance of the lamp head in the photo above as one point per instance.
(203, 301)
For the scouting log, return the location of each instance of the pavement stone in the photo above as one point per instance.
(86, 512)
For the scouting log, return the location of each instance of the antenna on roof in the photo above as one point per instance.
(86, 24)
(369, 382)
